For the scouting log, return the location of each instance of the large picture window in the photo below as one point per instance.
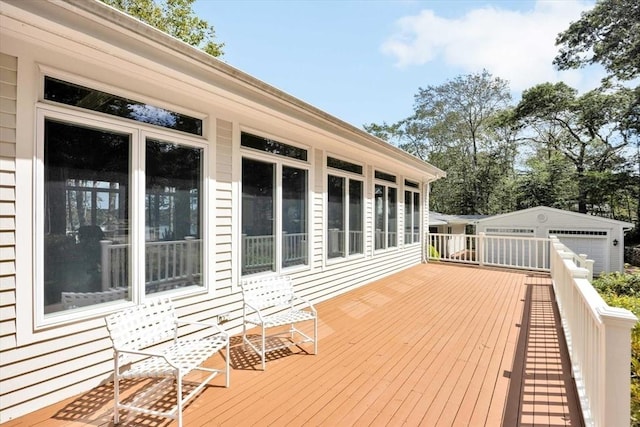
(344, 209)
(173, 247)
(88, 226)
(258, 222)
(87, 194)
(336, 212)
(411, 216)
(274, 215)
(386, 216)
(344, 216)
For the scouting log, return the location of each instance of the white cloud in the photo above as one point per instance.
(515, 45)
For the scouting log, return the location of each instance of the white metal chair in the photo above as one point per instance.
(271, 302)
(154, 323)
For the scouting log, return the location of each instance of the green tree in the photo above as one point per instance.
(588, 130)
(608, 34)
(548, 180)
(174, 17)
(455, 127)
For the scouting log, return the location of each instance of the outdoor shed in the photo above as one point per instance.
(601, 239)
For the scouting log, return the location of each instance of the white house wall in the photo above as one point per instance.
(41, 365)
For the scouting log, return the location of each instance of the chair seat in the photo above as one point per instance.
(186, 354)
(282, 318)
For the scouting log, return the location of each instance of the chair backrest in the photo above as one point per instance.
(267, 292)
(143, 325)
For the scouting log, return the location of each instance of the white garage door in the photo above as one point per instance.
(592, 243)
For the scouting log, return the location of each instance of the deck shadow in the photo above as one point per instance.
(96, 406)
(244, 358)
(542, 391)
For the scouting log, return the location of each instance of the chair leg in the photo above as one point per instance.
(228, 372)
(116, 390)
(315, 335)
(262, 349)
(179, 397)
(244, 328)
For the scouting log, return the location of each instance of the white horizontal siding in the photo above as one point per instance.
(223, 206)
(8, 114)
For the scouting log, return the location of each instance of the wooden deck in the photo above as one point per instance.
(435, 345)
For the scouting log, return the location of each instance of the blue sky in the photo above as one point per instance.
(363, 61)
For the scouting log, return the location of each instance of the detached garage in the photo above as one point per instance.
(602, 239)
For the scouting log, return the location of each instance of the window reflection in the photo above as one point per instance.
(386, 216)
(173, 249)
(258, 243)
(335, 217)
(86, 202)
(261, 248)
(95, 100)
(294, 216)
(356, 243)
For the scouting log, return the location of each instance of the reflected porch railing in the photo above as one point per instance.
(166, 263)
(336, 242)
(179, 261)
(258, 252)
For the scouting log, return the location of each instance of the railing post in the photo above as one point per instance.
(105, 263)
(481, 237)
(616, 360)
(243, 253)
(588, 264)
(189, 241)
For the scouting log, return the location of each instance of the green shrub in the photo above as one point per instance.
(618, 284)
(433, 252)
(620, 290)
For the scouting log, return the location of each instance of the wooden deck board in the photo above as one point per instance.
(435, 345)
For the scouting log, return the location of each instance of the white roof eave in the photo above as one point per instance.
(232, 78)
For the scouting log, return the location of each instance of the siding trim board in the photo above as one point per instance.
(85, 41)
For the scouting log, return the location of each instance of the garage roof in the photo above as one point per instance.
(553, 211)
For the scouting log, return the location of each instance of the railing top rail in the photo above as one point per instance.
(527, 238)
(493, 236)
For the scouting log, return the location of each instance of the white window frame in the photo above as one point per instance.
(279, 162)
(348, 177)
(413, 191)
(139, 132)
(387, 185)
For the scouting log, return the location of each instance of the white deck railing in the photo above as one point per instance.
(526, 253)
(598, 336)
